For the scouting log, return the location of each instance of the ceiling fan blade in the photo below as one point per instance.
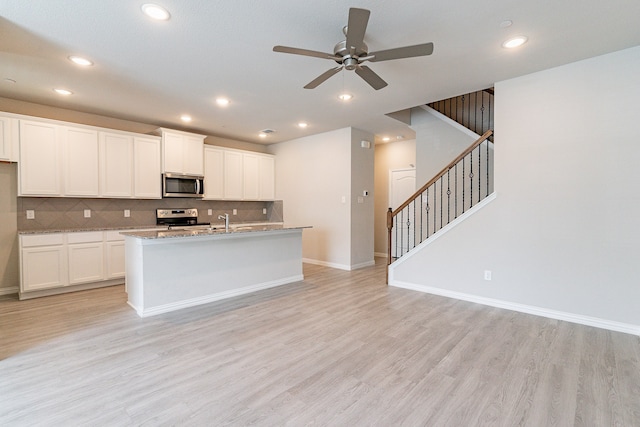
(305, 52)
(322, 77)
(402, 52)
(374, 80)
(358, 19)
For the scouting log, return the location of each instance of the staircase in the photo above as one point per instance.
(457, 188)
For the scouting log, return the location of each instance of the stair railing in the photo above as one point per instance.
(455, 189)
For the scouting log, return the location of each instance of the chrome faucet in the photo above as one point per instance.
(226, 221)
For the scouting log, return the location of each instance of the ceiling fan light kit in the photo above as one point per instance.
(353, 51)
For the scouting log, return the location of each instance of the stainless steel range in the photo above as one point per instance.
(175, 218)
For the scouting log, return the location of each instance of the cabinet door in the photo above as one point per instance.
(213, 173)
(233, 175)
(193, 155)
(250, 177)
(115, 259)
(172, 153)
(267, 178)
(116, 165)
(147, 177)
(39, 164)
(86, 262)
(6, 146)
(43, 267)
(81, 175)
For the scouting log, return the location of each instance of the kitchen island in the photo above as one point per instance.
(174, 269)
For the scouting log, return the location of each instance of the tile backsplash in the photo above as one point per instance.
(59, 213)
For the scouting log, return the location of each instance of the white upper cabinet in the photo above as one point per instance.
(39, 163)
(182, 152)
(250, 176)
(81, 166)
(213, 173)
(146, 167)
(267, 178)
(8, 139)
(233, 175)
(116, 165)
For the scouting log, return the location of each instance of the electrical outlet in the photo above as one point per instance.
(487, 275)
(235, 211)
(87, 213)
(264, 211)
(127, 213)
(210, 212)
(31, 214)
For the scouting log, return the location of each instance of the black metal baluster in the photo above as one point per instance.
(479, 174)
(471, 177)
(448, 197)
(426, 208)
(456, 191)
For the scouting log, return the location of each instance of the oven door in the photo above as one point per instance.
(179, 185)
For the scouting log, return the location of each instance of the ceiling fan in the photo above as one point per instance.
(352, 52)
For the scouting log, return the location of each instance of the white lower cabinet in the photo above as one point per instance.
(86, 257)
(43, 262)
(114, 254)
(50, 262)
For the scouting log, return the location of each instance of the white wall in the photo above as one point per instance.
(362, 214)
(562, 235)
(438, 142)
(313, 174)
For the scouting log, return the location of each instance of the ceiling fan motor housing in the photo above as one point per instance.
(349, 56)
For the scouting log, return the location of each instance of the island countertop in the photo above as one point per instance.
(210, 231)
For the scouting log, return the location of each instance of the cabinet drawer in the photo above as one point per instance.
(84, 237)
(32, 240)
(113, 235)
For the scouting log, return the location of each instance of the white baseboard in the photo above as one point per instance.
(10, 290)
(166, 308)
(339, 266)
(326, 264)
(380, 254)
(522, 308)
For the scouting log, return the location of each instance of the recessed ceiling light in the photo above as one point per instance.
(302, 125)
(64, 92)
(185, 118)
(262, 135)
(80, 61)
(345, 96)
(515, 42)
(223, 102)
(156, 12)
(506, 24)
(386, 139)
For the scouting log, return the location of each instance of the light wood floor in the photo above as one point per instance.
(339, 349)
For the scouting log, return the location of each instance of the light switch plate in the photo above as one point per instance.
(87, 213)
(235, 211)
(127, 213)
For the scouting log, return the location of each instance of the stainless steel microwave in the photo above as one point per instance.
(180, 185)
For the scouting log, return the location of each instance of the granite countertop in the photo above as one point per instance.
(152, 228)
(211, 231)
(86, 229)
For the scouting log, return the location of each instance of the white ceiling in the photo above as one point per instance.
(153, 72)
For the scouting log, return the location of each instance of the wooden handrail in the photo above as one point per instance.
(415, 195)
